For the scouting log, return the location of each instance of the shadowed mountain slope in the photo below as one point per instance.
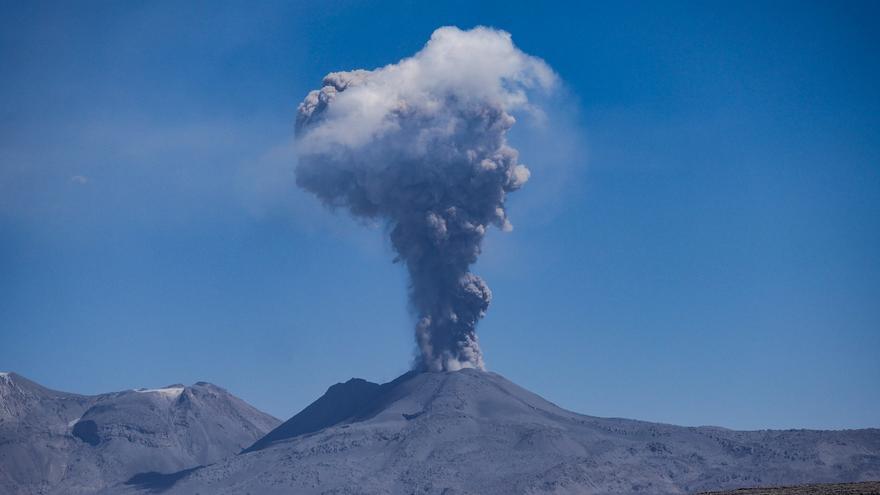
(353, 400)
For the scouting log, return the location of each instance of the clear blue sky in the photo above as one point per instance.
(700, 246)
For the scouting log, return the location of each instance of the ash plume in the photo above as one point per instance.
(421, 144)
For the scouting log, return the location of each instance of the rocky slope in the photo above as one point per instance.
(472, 432)
(55, 442)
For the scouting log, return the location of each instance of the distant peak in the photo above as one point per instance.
(351, 382)
(210, 387)
(11, 376)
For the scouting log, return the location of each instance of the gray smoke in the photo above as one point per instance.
(422, 145)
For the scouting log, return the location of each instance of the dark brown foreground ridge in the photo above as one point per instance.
(863, 488)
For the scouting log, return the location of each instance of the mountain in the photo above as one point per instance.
(56, 442)
(474, 432)
(352, 401)
(35, 439)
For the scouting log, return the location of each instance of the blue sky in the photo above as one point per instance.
(697, 245)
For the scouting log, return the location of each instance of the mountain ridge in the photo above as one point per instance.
(476, 432)
(60, 442)
(353, 399)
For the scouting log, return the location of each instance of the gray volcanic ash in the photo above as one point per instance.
(422, 145)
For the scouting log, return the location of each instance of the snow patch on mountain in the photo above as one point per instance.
(171, 392)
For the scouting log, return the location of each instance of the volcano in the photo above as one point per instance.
(474, 432)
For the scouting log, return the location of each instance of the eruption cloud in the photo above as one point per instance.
(421, 144)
